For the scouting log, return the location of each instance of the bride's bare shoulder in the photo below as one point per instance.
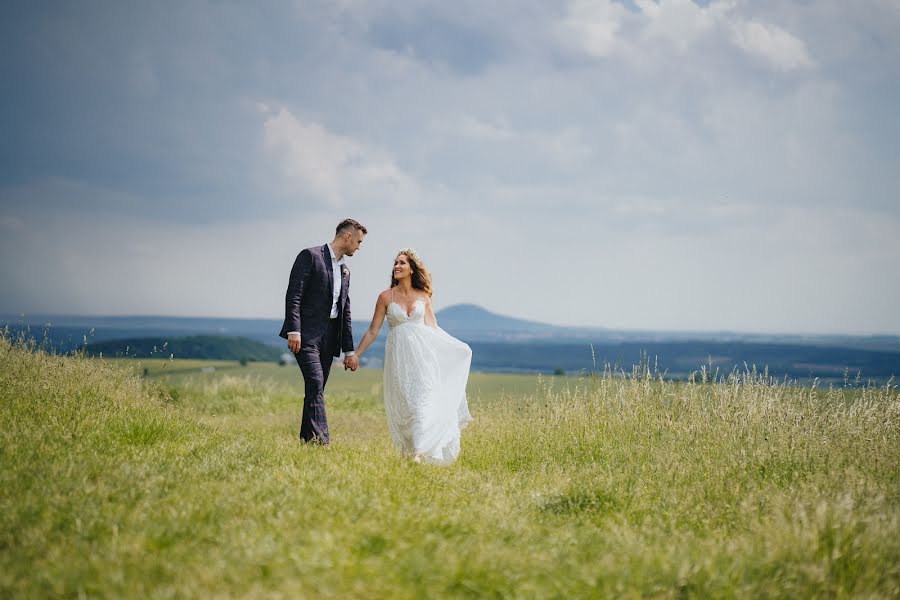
(385, 296)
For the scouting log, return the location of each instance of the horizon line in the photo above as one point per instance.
(23, 318)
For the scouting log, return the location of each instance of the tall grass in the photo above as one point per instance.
(607, 485)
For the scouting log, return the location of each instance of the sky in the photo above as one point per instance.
(637, 164)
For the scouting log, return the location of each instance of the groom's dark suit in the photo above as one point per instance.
(308, 310)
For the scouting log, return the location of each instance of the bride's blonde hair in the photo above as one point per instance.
(421, 278)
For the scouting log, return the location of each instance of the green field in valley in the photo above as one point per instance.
(188, 481)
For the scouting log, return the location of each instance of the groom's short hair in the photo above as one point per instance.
(348, 224)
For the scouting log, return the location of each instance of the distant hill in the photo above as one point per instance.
(198, 346)
(499, 343)
(472, 322)
(469, 322)
(68, 331)
(678, 359)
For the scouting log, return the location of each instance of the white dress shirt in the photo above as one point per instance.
(336, 279)
(335, 288)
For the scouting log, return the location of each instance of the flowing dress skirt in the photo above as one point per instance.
(425, 375)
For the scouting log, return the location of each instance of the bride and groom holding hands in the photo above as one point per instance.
(425, 369)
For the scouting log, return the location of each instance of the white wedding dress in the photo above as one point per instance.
(425, 374)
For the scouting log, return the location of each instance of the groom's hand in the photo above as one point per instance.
(351, 362)
(294, 342)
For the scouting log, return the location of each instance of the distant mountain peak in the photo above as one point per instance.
(466, 309)
(472, 318)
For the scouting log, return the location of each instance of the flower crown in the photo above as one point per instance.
(411, 253)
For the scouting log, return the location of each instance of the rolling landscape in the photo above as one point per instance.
(499, 344)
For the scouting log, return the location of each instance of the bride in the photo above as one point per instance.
(425, 369)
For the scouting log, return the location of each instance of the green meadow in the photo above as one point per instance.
(162, 479)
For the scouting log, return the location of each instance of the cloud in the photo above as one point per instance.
(331, 166)
(566, 147)
(603, 28)
(680, 23)
(436, 37)
(592, 26)
(772, 44)
(479, 129)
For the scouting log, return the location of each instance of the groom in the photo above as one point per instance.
(317, 320)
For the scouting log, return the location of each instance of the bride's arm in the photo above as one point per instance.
(375, 326)
(430, 319)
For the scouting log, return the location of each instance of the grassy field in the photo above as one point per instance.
(190, 483)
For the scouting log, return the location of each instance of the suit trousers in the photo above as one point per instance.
(315, 363)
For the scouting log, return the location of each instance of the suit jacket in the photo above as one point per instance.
(308, 300)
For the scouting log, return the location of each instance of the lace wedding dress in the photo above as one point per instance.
(425, 374)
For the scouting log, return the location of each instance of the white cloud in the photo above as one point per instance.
(592, 26)
(680, 22)
(332, 167)
(566, 146)
(773, 44)
(602, 28)
(479, 129)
